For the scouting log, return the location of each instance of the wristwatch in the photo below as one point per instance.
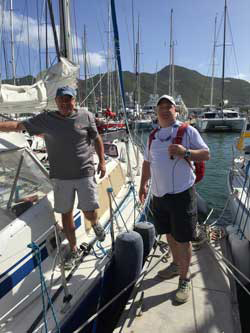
(187, 153)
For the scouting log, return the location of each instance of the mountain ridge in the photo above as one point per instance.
(193, 86)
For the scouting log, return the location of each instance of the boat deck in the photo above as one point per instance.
(212, 307)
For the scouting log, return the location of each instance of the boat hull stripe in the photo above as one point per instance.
(11, 281)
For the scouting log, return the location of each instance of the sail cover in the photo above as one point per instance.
(41, 95)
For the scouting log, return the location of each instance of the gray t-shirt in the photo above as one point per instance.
(68, 142)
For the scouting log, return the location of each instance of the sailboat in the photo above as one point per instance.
(141, 120)
(36, 293)
(221, 119)
(238, 184)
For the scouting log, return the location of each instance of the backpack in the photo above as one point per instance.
(199, 166)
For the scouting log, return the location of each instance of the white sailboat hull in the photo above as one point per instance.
(239, 203)
(20, 292)
(220, 124)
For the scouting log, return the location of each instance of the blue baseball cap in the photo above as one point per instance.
(66, 91)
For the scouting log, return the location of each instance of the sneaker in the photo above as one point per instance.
(99, 232)
(72, 259)
(171, 271)
(183, 292)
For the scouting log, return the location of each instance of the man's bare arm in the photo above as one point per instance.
(99, 148)
(144, 181)
(11, 126)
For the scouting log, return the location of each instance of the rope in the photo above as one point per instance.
(82, 102)
(99, 301)
(228, 264)
(36, 249)
(118, 210)
(216, 236)
(101, 248)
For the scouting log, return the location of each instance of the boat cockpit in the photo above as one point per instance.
(23, 183)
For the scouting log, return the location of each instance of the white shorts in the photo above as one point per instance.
(66, 189)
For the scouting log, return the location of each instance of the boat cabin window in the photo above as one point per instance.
(210, 115)
(22, 183)
(231, 115)
(111, 150)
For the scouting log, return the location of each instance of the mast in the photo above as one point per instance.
(138, 67)
(12, 43)
(171, 58)
(5, 61)
(118, 56)
(46, 36)
(38, 35)
(223, 58)
(155, 81)
(65, 31)
(134, 56)
(85, 64)
(100, 88)
(213, 60)
(28, 36)
(109, 60)
(173, 73)
(4, 47)
(54, 29)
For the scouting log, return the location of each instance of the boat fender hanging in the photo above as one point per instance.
(128, 255)
(147, 232)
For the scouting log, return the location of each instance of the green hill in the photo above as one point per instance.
(191, 85)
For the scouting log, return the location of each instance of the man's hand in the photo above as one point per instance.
(101, 169)
(176, 150)
(143, 191)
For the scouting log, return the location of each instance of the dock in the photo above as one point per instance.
(212, 307)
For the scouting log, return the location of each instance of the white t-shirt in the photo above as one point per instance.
(171, 175)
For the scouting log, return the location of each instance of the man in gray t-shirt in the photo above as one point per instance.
(68, 135)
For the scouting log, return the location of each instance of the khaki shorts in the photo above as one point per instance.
(66, 190)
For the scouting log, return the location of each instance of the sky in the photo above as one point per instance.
(193, 35)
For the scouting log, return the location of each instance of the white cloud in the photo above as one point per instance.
(95, 59)
(243, 77)
(21, 33)
(21, 38)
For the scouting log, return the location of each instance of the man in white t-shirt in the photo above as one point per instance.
(172, 185)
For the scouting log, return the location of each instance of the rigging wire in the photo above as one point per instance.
(205, 79)
(129, 41)
(233, 45)
(229, 265)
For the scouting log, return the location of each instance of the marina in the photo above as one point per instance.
(100, 215)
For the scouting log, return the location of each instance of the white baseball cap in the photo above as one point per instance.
(169, 98)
